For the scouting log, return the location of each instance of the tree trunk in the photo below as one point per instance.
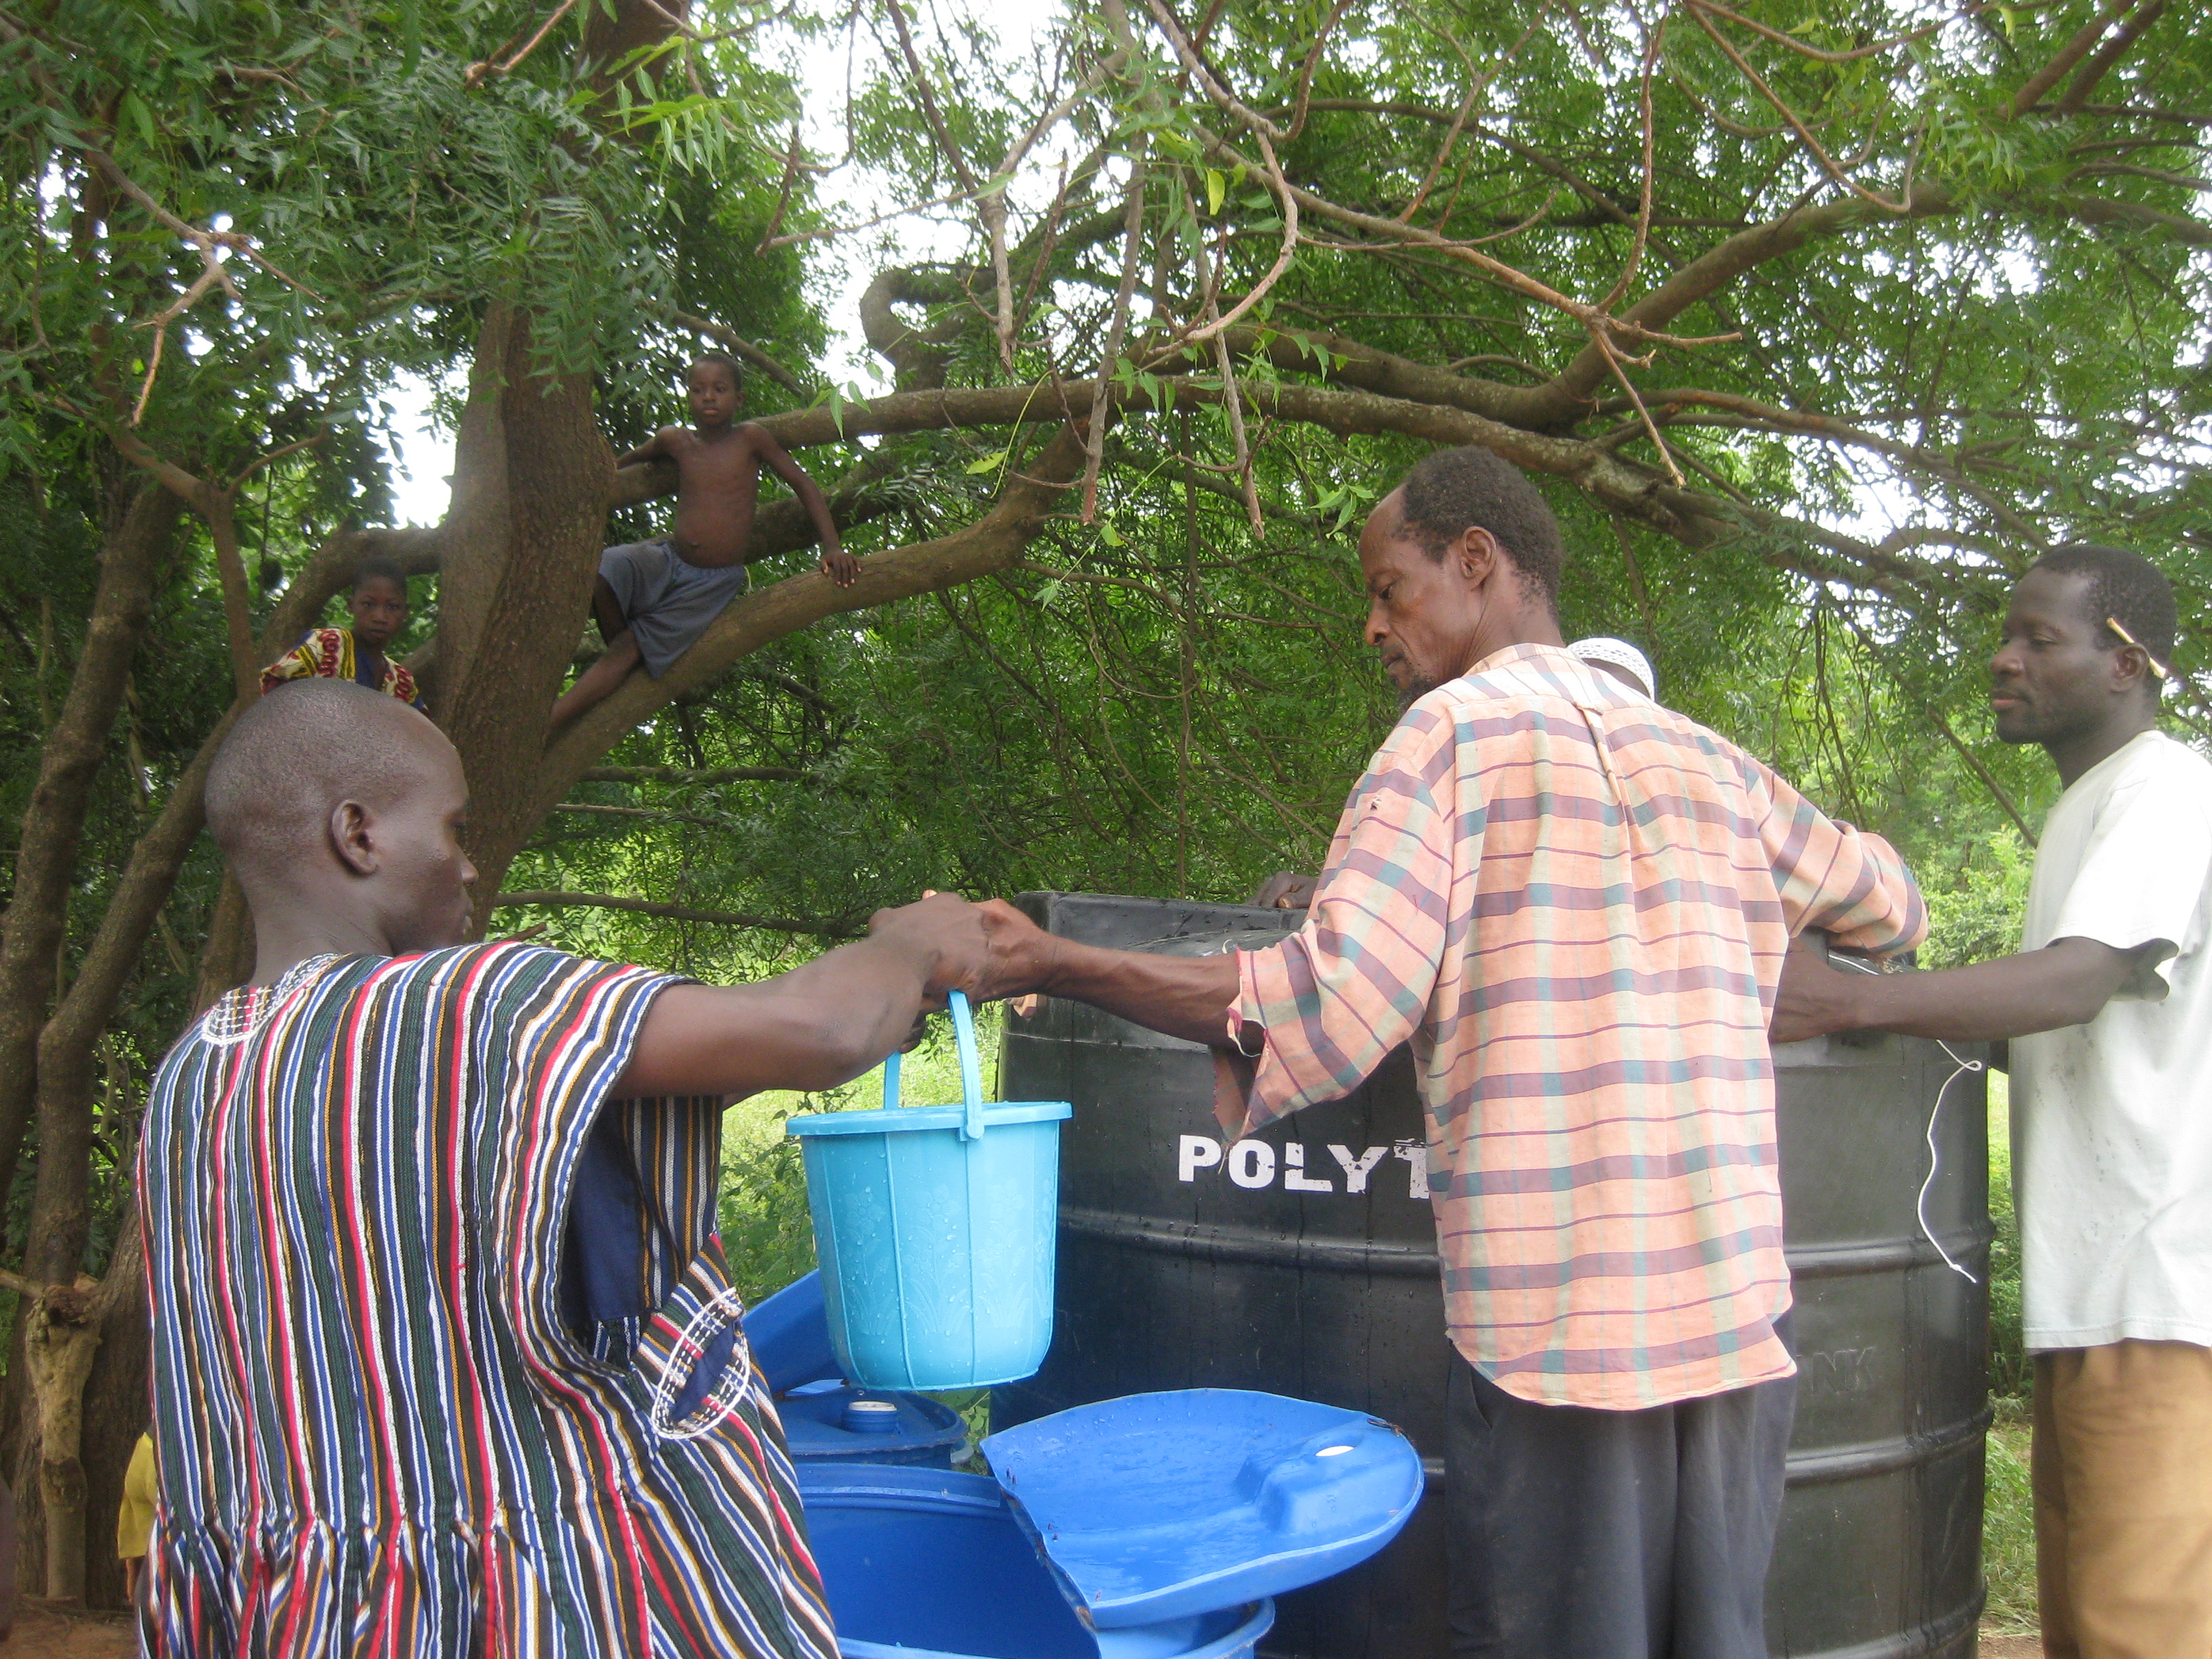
(532, 478)
(53, 823)
(227, 957)
(117, 1409)
(71, 1447)
(63, 1337)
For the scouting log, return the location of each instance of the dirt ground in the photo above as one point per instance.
(2011, 1647)
(41, 1634)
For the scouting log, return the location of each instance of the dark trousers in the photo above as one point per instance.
(1574, 1533)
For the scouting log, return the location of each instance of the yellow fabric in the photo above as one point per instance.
(133, 1521)
(2122, 1477)
(330, 653)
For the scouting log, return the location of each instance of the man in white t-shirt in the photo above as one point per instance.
(2109, 1008)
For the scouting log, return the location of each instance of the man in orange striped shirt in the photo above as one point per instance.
(1575, 904)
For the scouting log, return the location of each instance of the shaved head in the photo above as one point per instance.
(296, 755)
(341, 810)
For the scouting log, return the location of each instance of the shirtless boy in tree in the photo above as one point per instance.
(653, 599)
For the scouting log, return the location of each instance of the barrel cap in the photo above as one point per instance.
(1159, 1506)
(871, 1426)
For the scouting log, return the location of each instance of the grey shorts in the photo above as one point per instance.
(667, 602)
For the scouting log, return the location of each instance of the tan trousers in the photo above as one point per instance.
(2123, 1477)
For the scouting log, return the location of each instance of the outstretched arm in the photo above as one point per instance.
(816, 1026)
(840, 567)
(2067, 982)
(1187, 997)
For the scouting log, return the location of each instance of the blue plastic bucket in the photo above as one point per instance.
(934, 1225)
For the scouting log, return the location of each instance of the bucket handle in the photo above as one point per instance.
(972, 1069)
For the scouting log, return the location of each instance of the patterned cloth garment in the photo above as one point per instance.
(330, 653)
(446, 1357)
(1575, 904)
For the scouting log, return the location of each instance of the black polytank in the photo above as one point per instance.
(1302, 1260)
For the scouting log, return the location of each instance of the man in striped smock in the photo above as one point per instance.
(445, 1352)
(1575, 904)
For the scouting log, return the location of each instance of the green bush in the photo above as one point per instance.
(1977, 916)
(2008, 1367)
(767, 1232)
(2009, 1530)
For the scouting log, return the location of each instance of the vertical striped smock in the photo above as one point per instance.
(445, 1361)
(1575, 903)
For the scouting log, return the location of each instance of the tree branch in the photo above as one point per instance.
(992, 543)
(744, 348)
(2071, 53)
(693, 778)
(825, 926)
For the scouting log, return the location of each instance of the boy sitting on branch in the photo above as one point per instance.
(654, 598)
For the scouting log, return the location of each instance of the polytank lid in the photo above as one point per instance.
(1219, 941)
(868, 1424)
(789, 1335)
(1159, 1506)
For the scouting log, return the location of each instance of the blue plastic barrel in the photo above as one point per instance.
(925, 1563)
(934, 1227)
(789, 1335)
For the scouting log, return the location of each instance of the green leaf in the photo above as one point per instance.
(1216, 186)
(139, 117)
(1109, 534)
(990, 462)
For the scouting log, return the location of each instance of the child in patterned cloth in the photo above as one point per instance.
(446, 1357)
(654, 598)
(356, 653)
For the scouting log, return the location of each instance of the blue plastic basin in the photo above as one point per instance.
(935, 1227)
(927, 1563)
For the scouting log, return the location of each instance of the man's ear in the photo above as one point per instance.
(353, 838)
(1478, 554)
(2131, 670)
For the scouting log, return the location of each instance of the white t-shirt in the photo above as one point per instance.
(2112, 1121)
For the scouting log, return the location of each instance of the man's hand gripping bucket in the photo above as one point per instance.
(935, 1226)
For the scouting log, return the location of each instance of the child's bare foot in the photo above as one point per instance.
(596, 683)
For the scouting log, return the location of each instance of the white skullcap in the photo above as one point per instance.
(1621, 654)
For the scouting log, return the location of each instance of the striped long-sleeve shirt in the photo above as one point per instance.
(445, 1351)
(1575, 903)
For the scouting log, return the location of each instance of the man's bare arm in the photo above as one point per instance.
(843, 567)
(1188, 997)
(2067, 982)
(814, 1027)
